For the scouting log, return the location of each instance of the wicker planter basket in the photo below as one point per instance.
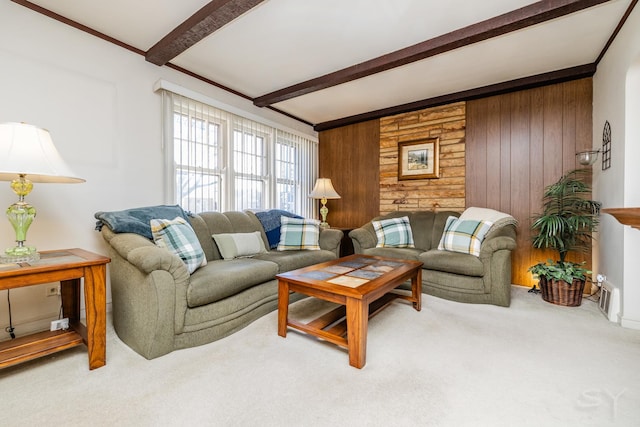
(560, 292)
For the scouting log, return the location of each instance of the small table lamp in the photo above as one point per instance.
(27, 155)
(324, 190)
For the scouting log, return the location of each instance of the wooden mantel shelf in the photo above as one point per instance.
(626, 216)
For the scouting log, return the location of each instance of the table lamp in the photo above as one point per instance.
(324, 190)
(27, 155)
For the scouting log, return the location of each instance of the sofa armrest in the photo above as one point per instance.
(495, 244)
(146, 256)
(330, 239)
(363, 238)
(149, 293)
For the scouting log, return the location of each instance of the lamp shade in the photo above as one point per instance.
(324, 190)
(28, 150)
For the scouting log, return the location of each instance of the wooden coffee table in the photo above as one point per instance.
(361, 284)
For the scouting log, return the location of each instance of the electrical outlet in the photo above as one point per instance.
(60, 324)
(53, 290)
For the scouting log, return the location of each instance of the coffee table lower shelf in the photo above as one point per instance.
(332, 326)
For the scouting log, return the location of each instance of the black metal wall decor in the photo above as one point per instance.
(606, 146)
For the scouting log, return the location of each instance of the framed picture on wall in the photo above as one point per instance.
(419, 159)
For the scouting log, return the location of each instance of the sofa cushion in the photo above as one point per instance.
(177, 236)
(237, 245)
(464, 236)
(211, 223)
(292, 260)
(221, 278)
(452, 262)
(297, 234)
(393, 233)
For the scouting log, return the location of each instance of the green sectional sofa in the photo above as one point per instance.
(159, 307)
(452, 275)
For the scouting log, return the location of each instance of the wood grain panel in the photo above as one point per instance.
(477, 131)
(536, 133)
(448, 123)
(584, 118)
(505, 152)
(494, 152)
(552, 146)
(350, 157)
(520, 140)
(569, 126)
(536, 174)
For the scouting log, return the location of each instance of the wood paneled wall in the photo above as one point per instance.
(519, 143)
(444, 193)
(349, 155)
(515, 145)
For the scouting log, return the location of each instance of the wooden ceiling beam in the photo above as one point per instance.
(204, 22)
(553, 77)
(532, 14)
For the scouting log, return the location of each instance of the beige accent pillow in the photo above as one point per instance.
(237, 245)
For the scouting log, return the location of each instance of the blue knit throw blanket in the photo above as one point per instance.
(137, 220)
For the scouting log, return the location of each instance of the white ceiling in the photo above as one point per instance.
(283, 42)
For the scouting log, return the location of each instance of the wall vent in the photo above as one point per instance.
(609, 302)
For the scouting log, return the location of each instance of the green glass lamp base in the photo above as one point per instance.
(20, 215)
(323, 212)
(19, 254)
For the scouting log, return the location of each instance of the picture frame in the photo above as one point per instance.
(419, 159)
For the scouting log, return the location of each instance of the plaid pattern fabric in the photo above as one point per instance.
(271, 223)
(296, 234)
(177, 236)
(393, 233)
(464, 236)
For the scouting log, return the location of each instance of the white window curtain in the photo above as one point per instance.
(219, 161)
(296, 172)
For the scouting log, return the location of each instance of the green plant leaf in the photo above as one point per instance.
(569, 218)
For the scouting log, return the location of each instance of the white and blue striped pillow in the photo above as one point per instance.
(464, 236)
(177, 236)
(393, 233)
(297, 234)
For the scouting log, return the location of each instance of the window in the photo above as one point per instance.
(219, 161)
(250, 168)
(197, 159)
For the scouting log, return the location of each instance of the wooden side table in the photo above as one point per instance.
(66, 266)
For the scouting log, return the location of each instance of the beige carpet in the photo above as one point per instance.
(533, 364)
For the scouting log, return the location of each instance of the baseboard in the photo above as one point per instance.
(629, 323)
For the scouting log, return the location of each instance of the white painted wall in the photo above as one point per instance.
(616, 98)
(97, 101)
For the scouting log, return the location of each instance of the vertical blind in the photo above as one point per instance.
(219, 161)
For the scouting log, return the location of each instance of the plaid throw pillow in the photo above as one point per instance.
(464, 236)
(296, 234)
(177, 236)
(393, 233)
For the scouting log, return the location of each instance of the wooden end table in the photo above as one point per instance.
(66, 266)
(362, 286)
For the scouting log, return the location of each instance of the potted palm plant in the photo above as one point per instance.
(565, 225)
